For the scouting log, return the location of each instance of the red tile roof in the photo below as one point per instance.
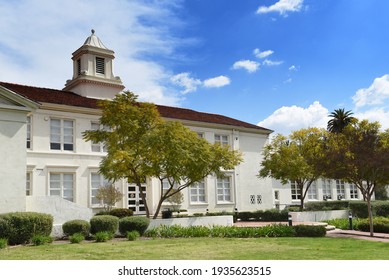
(46, 95)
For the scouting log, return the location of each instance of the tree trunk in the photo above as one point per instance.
(143, 196)
(370, 213)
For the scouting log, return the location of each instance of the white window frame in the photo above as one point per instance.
(222, 139)
(102, 182)
(326, 185)
(63, 138)
(312, 191)
(28, 183)
(62, 188)
(353, 191)
(29, 132)
(99, 147)
(340, 189)
(295, 191)
(198, 193)
(224, 190)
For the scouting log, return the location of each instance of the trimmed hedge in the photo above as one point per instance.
(380, 224)
(20, 227)
(76, 226)
(359, 209)
(310, 231)
(267, 215)
(106, 223)
(117, 212)
(326, 205)
(138, 223)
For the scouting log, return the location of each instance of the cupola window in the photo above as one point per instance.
(100, 65)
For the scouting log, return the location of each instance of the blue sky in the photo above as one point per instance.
(282, 64)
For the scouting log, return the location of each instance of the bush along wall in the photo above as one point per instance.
(265, 216)
(20, 227)
(326, 205)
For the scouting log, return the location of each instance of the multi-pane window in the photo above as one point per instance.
(62, 184)
(326, 187)
(224, 189)
(221, 139)
(277, 195)
(98, 147)
(312, 191)
(100, 65)
(340, 190)
(79, 67)
(28, 132)
(97, 181)
(197, 192)
(28, 183)
(61, 134)
(353, 191)
(295, 191)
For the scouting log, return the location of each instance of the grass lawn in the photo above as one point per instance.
(326, 248)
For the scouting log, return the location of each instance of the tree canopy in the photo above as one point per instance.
(339, 120)
(291, 159)
(140, 145)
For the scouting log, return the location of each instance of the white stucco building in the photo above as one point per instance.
(48, 167)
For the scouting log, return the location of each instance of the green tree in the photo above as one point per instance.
(360, 155)
(140, 144)
(128, 124)
(182, 158)
(339, 120)
(292, 159)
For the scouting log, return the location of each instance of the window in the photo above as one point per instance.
(326, 186)
(61, 134)
(277, 195)
(252, 199)
(197, 192)
(296, 194)
(62, 184)
(221, 139)
(28, 132)
(100, 65)
(353, 191)
(166, 185)
(78, 67)
(97, 181)
(312, 191)
(98, 147)
(340, 191)
(224, 189)
(200, 134)
(28, 183)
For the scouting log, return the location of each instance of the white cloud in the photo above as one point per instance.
(184, 80)
(38, 52)
(375, 94)
(262, 54)
(282, 7)
(375, 115)
(249, 65)
(293, 68)
(219, 81)
(287, 119)
(269, 62)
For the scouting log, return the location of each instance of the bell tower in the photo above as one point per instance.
(93, 71)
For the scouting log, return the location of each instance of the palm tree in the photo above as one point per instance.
(340, 119)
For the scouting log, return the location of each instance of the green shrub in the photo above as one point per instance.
(133, 235)
(272, 215)
(5, 228)
(381, 208)
(76, 226)
(310, 231)
(22, 226)
(326, 205)
(121, 212)
(3, 243)
(39, 239)
(138, 223)
(103, 236)
(76, 237)
(106, 223)
(380, 224)
(358, 209)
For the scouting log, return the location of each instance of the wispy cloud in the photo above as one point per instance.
(282, 7)
(262, 54)
(188, 83)
(269, 62)
(249, 65)
(219, 81)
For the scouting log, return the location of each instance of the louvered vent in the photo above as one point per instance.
(100, 65)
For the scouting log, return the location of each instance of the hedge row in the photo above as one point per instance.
(20, 227)
(177, 231)
(267, 215)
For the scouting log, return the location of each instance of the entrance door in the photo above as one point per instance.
(135, 202)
